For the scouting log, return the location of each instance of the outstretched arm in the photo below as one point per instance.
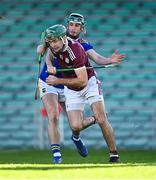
(101, 60)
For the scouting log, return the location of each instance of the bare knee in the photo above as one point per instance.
(53, 117)
(76, 127)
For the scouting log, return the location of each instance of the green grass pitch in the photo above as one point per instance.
(36, 164)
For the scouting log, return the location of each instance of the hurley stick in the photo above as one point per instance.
(39, 65)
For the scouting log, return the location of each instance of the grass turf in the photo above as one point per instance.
(35, 164)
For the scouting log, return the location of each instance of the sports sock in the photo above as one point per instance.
(55, 148)
(76, 137)
(113, 154)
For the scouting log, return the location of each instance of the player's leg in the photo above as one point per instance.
(50, 101)
(74, 107)
(75, 101)
(107, 131)
(95, 99)
(75, 121)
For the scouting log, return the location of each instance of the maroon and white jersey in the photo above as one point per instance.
(74, 56)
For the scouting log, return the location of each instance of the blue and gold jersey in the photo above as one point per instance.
(43, 75)
(86, 45)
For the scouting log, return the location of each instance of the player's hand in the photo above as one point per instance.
(51, 70)
(52, 80)
(116, 57)
(41, 49)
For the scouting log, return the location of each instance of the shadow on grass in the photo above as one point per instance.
(69, 166)
(71, 159)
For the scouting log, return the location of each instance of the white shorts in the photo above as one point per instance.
(44, 89)
(75, 100)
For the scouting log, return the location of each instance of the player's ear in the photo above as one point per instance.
(64, 38)
(83, 29)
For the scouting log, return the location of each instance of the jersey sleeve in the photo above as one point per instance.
(86, 45)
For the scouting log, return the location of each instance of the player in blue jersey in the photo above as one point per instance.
(51, 95)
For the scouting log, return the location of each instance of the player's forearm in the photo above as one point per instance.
(49, 59)
(102, 60)
(72, 83)
(48, 63)
(97, 58)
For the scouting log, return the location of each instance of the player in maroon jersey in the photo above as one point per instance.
(80, 85)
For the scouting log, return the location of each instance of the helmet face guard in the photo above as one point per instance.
(76, 18)
(57, 31)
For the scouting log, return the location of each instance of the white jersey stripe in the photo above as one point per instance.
(71, 54)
